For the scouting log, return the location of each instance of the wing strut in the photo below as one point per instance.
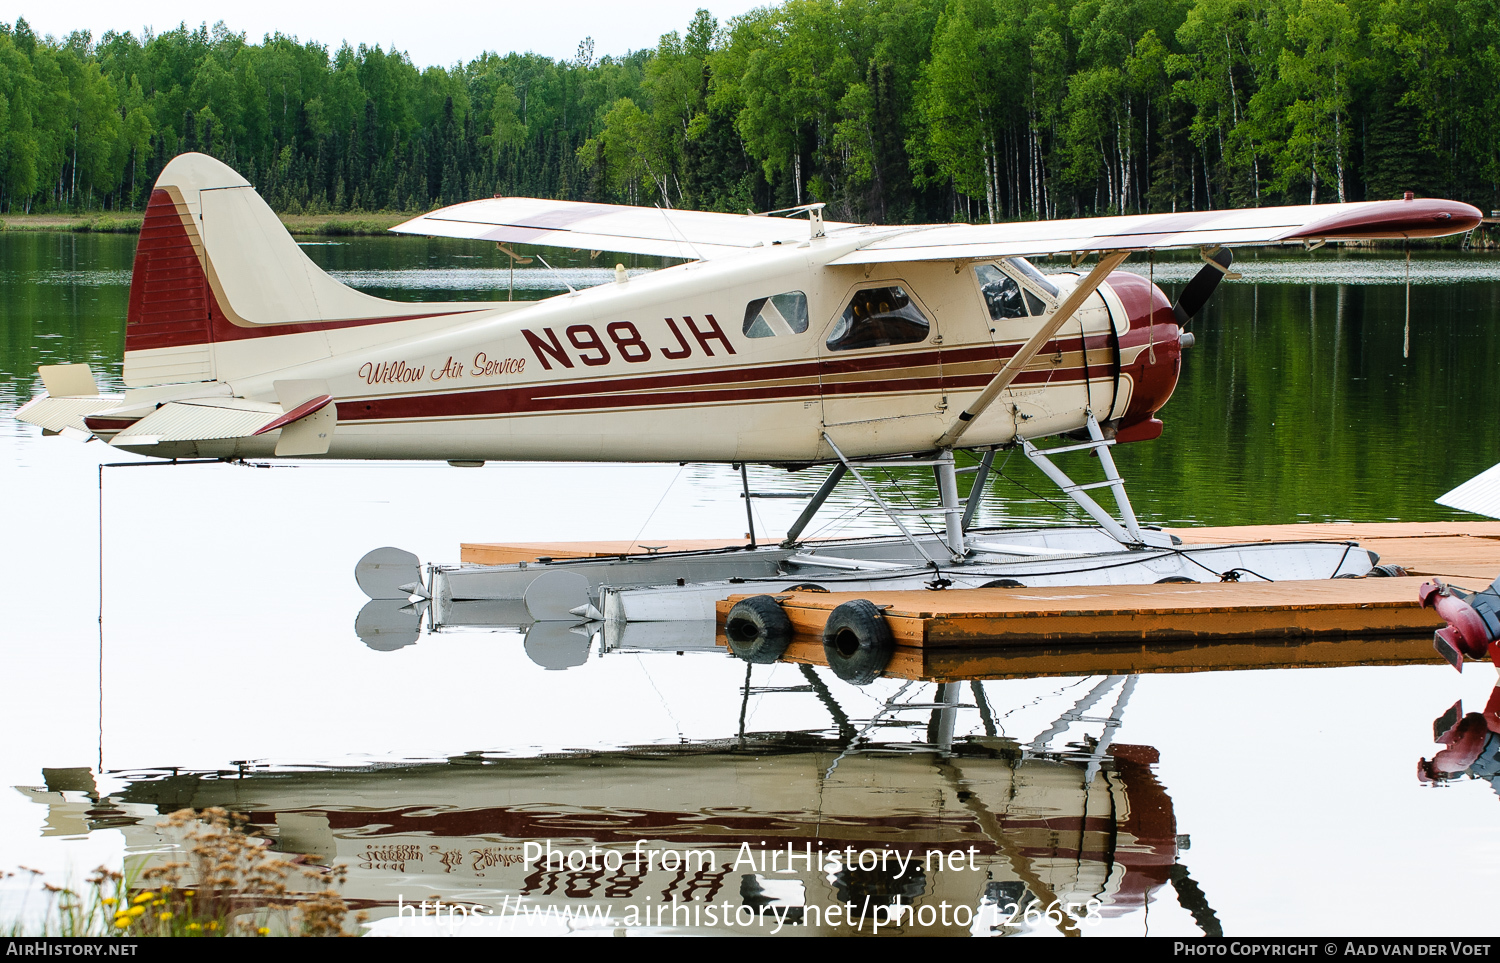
(1018, 361)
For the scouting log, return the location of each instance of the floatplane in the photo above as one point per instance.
(782, 340)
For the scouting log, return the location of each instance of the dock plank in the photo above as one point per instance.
(508, 553)
(1336, 531)
(1452, 550)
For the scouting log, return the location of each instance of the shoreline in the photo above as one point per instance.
(129, 222)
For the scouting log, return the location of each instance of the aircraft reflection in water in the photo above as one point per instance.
(981, 834)
(1471, 745)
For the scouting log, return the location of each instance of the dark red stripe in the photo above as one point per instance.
(607, 396)
(526, 400)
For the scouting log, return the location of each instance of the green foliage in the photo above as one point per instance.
(886, 110)
(225, 882)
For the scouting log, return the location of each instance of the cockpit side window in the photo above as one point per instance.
(877, 317)
(1007, 299)
(780, 314)
(1002, 295)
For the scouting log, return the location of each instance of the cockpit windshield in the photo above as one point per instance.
(1004, 297)
(1032, 274)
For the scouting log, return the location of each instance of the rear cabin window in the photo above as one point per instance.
(777, 315)
(878, 317)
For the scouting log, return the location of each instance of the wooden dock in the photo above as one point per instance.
(1086, 630)
(508, 553)
(1458, 552)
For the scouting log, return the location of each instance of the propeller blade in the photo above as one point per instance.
(1201, 287)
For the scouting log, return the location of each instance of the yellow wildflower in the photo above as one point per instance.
(144, 897)
(135, 911)
(213, 924)
(194, 926)
(163, 916)
(109, 901)
(264, 931)
(123, 921)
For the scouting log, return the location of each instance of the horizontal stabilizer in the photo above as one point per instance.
(694, 235)
(306, 429)
(57, 414)
(68, 380)
(199, 421)
(1480, 494)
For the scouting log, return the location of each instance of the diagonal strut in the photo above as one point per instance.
(1018, 361)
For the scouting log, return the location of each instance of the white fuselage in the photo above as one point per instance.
(661, 367)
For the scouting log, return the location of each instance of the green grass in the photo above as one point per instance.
(121, 223)
(327, 225)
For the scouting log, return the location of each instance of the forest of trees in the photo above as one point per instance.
(888, 110)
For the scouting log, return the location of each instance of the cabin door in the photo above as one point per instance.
(880, 371)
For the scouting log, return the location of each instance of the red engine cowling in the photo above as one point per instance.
(1150, 354)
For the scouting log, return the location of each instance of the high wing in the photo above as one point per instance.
(694, 235)
(1142, 232)
(702, 235)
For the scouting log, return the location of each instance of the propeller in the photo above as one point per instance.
(1202, 286)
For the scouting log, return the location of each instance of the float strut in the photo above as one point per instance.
(819, 497)
(976, 491)
(953, 511)
(749, 507)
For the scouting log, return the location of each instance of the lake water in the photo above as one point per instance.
(184, 637)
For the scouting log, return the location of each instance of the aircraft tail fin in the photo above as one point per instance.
(216, 269)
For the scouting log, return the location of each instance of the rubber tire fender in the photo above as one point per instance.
(857, 642)
(758, 629)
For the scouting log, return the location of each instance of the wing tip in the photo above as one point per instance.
(1424, 217)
